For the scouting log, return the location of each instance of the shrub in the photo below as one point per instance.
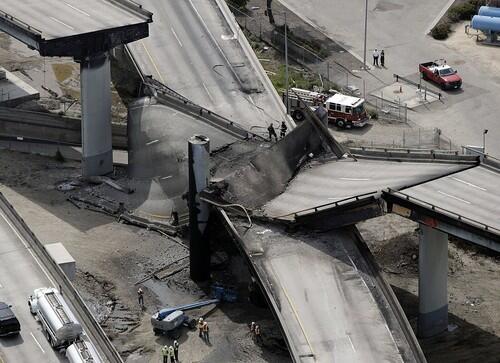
(462, 12)
(441, 30)
(238, 3)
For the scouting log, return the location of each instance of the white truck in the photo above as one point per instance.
(82, 351)
(58, 322)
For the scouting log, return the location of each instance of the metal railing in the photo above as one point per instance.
(326, 206)
(19, 22)
(437, 209)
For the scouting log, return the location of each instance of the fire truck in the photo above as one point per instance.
(343, 111)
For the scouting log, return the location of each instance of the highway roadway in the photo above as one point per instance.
(193, 50)
(471, 193)
(337, 180)
(57, 19)
(324, 296)
(20, 274)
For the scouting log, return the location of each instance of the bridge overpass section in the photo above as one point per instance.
(197, 49)
(85, 31)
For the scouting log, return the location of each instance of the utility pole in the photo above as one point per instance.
(366, 32)
(286, 67)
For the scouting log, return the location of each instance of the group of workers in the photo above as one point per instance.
(170, 354)
(203, 330)
(256, 333)
(272, 132)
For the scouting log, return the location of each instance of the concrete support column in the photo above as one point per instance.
(433, 282)
(97, 149)
(199, 248)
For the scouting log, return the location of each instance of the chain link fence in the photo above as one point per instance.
(310, 55)
(417, 138)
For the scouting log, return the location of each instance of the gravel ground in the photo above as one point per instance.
(111, 257)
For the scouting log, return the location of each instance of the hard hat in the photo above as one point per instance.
(200, 319)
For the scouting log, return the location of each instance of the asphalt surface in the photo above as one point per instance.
(471, 193)
(20, 274)
(193, 50)
(323, 296)
(400, 27)
(337, 180)
(57, 19)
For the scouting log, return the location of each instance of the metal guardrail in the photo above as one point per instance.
(92, 327)
(448, 213)
(19, 23)
(322, 207)
(418, 85)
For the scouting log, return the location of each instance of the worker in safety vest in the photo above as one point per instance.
(164, 354)
(205, 332)
(258, 337)
(283, 129)
(200, 327)
(171, 354)
(176, 350)
(272, 132)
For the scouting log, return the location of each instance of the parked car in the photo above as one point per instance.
(440, 73)
(9, 325)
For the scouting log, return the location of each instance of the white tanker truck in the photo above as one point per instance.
(59, 324)
(82, 351)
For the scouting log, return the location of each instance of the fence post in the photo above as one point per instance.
(419, 139)
(404, 138)
(328, 70)
(260, 29)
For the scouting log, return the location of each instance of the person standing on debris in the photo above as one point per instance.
(375, 57)
(283, 129)
(205, 332)
(258, 337)
(176, 351)
(252, 328)
(272, 132)
(382, 58)
(171, 354)
(164, 354)
(200, 327)
(140, 297)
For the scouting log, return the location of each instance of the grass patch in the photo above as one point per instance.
(63, 71)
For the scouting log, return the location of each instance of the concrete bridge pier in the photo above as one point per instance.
(433, 282)
(95, 81)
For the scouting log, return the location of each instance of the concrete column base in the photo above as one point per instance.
(97, 148)
(433, 282)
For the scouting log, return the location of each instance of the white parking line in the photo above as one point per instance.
(79, 10)
(63, 23)
(453, 197)
(469, 184)
(355, 179)
(36, 341)
(208, 92)
(176, 37)
(352, 345)
(152, 142)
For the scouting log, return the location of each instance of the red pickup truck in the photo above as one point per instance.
(440, 73)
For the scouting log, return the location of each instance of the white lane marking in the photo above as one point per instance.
(355, 179)
(453, 197)
(469, 184)
(208, 92)
(36, 341)
(79, 10)
(28, 248)
(352, 345)
(1, 286)
(152, 142)
(63, 23)
(166, 177)
(176, 37)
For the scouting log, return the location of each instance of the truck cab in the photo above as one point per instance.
(346, 111)
(9, 325)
